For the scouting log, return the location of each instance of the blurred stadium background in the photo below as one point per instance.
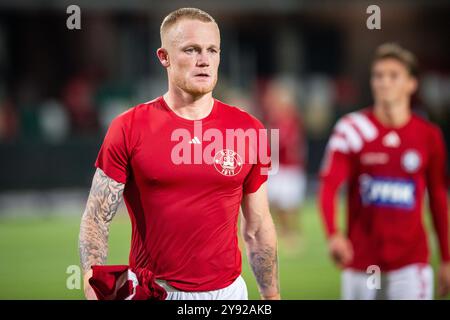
(60, 88)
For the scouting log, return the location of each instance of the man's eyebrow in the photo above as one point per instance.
(196, 45)
(189, 44)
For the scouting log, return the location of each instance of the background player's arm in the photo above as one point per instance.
(437, 191)
(333, 174)
(259, 235)
(103, 201)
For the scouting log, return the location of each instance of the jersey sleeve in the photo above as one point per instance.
(334, 171)
(259, 172)
(437, 191)
(113, 157)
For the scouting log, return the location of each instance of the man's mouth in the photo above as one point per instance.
(202, 75)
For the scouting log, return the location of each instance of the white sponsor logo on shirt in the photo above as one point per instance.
(374, 158)
(195, 141)
(391, 140)
(387, 192)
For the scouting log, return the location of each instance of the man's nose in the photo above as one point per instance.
(385, 81)
(202, 60)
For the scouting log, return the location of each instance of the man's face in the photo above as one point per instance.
(391, 82)
(193, 55)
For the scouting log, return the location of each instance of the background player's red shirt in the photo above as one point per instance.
(388, 171)
(292, 148)
(184, 216)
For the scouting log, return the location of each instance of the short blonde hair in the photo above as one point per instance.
(395, 51)
(184, 13)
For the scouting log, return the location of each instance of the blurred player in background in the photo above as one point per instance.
(287, 187)
(184, 215)
(388, 157)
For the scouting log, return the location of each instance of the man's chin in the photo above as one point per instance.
(387, 101)
(199, 90)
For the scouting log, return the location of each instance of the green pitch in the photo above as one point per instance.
(36, 253)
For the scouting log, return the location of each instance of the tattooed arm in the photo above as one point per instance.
(104, 199)
(259, 235)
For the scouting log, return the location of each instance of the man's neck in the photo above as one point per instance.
(188, 106)
(394, 115)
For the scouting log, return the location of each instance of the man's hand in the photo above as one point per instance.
(88, 291)
(341, 250)
(274, 297)
(444, 279)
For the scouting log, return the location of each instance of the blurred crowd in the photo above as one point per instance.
(60, 89)
(85, 106)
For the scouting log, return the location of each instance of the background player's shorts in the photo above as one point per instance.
(235, 291)
(412, 282)
(287, 188)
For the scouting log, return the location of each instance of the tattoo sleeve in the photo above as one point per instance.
(264, 263)
(103, 201)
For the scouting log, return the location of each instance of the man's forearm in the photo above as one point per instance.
(263, 259)
(93, 242)
(102, 204)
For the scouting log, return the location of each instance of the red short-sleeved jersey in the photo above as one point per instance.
(388, 171)
(183, 189)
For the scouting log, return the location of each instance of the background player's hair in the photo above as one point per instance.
(395, 51)
(184, 13)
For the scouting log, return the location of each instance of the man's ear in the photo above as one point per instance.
(163, 57)
(414, 85)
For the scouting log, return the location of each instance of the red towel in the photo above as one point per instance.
(124, 283)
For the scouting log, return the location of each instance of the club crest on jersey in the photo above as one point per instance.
(387, 192)
(228, 162)
(411, 161)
